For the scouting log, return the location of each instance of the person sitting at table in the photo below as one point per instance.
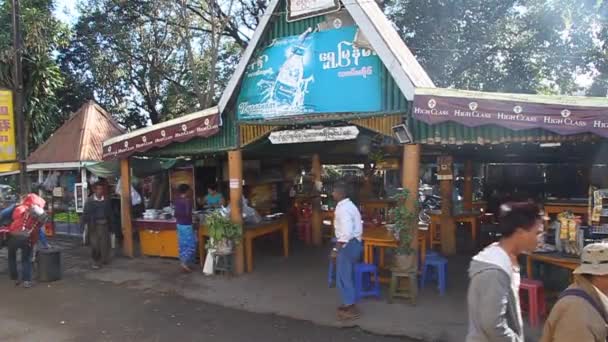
(581, 313)
(213, 199)
(347, 251)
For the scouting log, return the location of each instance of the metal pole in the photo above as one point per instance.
(18, 99)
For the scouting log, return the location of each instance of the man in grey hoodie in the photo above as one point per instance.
(493, 297)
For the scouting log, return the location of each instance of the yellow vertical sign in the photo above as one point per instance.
(8, 151)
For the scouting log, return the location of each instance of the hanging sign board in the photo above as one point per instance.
(314, 135)
(302, 9)
(79, 197)
(7, 132)
(311, 74)
(444, 168)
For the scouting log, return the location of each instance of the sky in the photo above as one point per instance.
(66, 10)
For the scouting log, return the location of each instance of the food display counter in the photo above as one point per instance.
(157, 237)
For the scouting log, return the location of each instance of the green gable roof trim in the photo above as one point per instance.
(451, 133)
(401, 73)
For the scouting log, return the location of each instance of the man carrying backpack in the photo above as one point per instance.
(581, 312)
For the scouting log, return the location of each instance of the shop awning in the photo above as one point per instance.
(140, 167)
(204, 123)
(563, 115)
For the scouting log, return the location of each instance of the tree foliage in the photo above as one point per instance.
(524, 46)
(149, 61)
(43, 80)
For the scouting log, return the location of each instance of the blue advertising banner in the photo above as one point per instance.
(314, 73)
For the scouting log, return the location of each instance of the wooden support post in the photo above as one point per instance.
(235, 181)
(410, 178)
(468, 186)
(317, 223)
(448, 226)
(125, 207)
(40, 181)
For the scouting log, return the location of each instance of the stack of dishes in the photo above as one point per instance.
(151, 214)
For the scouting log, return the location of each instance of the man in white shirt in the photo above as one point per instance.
(347, 251)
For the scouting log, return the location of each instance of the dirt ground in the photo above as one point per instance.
(76, 309)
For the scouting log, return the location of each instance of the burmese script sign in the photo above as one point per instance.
(181, 131)
(302, 9)
(314, 135)
(472, 112)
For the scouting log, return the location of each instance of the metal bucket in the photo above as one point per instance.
(49, 265)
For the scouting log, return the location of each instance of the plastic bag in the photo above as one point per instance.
(135, 196)
(51, 181)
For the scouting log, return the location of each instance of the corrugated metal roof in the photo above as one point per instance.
(79, 139)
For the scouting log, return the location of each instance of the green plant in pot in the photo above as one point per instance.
(223, 233)
(404, 229)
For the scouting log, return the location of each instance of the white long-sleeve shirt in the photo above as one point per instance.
(347, 221)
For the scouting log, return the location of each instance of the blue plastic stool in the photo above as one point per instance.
(432, 254)
(440, 265)
(367, 282)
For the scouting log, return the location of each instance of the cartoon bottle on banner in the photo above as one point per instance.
(291, 85)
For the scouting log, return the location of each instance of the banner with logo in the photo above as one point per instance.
(8, 150)
(177, 130)
(314, 73)
(563, 119)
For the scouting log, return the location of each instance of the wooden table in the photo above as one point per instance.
(570, 263)
(250, 232)
(379, 237)
(465, 217)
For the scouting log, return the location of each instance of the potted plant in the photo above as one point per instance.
(404, 229)
(223, 233)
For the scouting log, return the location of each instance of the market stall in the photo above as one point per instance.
(62, 160)
(527, 147)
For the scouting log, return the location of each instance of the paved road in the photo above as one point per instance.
(81, 310)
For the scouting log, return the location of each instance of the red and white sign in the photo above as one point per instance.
(177, 130)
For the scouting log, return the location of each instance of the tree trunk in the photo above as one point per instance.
(185, 35)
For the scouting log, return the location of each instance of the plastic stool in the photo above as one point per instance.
(535, 307)
(223, 263)
(440, 266)
(305, 231)
(368, 288)
(432, 254)
(395, 290)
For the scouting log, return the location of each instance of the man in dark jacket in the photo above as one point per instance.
(99, 218)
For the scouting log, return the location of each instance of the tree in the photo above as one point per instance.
(42, 34)
(524, 46)
(149, 61)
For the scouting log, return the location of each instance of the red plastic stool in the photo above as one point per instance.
(305, 231)
(535, 307)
